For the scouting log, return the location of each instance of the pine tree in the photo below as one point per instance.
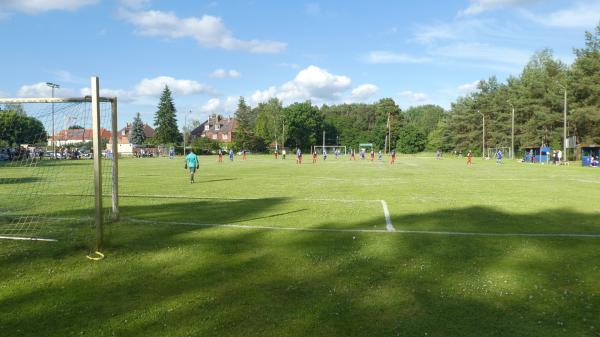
(244, 128)
(165, 120)
(136, 134)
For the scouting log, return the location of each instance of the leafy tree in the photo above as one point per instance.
(18, 128)
(303, 124)
(136, 134)
(411, 140)
(269, 118)
(424, 117)
(165, 120)
(75, 127)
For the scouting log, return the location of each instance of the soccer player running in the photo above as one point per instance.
(230, 154)
(379, 155)
(352, 155)
(469, 159)
(499, 157)
(372, 155)
(393, 160)
(243, 154)
(220, 153)
(192, 164)
(283, 153)
(314, 156)
(298, 156)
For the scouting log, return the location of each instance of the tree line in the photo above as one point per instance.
(536, 95)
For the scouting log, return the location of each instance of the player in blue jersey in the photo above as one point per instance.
(499, 157)
(192, 164)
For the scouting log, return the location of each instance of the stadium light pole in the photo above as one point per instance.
(564, 88)
(53, 86)
(483, 136)
(512, 132)
(185, 129)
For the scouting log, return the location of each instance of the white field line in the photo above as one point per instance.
(167, 196)
(21, 238)
(340, 230)
(388, 221)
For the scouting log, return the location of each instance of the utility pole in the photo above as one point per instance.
(389, 137)
(323, 140)
(483, 136)
(565, 156)
(53, 86)
(185, 130)
(512, 132)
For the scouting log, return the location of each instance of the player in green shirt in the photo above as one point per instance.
(191, 163)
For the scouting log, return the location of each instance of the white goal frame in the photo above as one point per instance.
(95, 99)
(330, 149)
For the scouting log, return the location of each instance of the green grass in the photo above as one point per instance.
(164, 278)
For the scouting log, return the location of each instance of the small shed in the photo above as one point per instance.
(536, 154)
(589, 154)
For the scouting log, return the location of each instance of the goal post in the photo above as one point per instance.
(330, 149)
(41, 192)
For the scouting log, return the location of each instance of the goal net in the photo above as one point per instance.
(330, 149)
(56, 167)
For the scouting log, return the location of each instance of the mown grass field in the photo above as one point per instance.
(266, 247)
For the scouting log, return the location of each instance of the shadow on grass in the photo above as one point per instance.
(18, 180)
(167, 280)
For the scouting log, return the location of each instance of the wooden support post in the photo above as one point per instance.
(97, 163)
(115, 162)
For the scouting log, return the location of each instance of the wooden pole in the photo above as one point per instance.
(115, 162)
(97, 163)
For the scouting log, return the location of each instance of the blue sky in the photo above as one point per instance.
(211, 52)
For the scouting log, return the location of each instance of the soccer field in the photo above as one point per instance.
(266, 247)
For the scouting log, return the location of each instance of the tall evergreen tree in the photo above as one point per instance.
(165, 120)
(244, 129)
(136, 134)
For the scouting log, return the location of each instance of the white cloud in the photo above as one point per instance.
(222, 73)
(289, 65)
(208, 31)
(484, 52)
(216, 105)
(41, 89)
(312, 9)
(364, 91)
(468, 88)
(581, 15)
(311, 83)
(480, 6)
(382, 57)
(40, 6)
(122, 95)
(134, 4)
(414, 97)
(155, 86)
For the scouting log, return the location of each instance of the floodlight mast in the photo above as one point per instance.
(512, 132)
(53, 86)
(483, 136)
(564, 88)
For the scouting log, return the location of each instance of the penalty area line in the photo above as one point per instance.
(388, 221)
(340, 230)
(21, 238)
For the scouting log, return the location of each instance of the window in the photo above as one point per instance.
(214, 136)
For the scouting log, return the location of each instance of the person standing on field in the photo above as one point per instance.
(192, 164)
(283, 153)
(230, 154)
(393, 160)
(469, 159)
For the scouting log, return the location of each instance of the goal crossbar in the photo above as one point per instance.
(54, 100)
